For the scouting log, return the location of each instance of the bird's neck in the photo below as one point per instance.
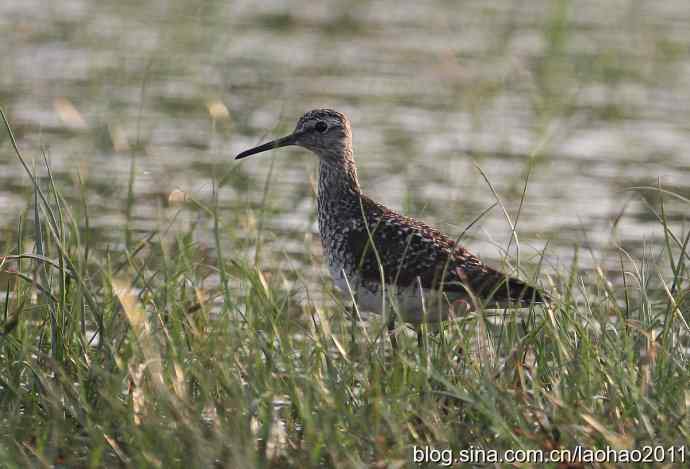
(338, 179)
(338, 201)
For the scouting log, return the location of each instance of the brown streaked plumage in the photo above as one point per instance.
(428, 276)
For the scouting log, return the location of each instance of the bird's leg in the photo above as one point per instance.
(352, 311)
(420, 338)
(391, 332)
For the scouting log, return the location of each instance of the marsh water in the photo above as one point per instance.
(584, 102)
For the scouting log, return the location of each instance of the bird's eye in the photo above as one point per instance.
(321, 126)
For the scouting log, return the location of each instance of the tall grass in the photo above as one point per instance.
(163, 356)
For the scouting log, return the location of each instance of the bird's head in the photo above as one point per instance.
(323, 131)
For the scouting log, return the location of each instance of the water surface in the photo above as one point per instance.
(586, 100)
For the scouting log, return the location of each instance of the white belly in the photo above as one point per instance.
(412, 304)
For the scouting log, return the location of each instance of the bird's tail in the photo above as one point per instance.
(502, 290)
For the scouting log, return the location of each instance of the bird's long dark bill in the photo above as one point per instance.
(281, 142)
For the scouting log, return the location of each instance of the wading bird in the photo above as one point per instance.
(390, 263)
